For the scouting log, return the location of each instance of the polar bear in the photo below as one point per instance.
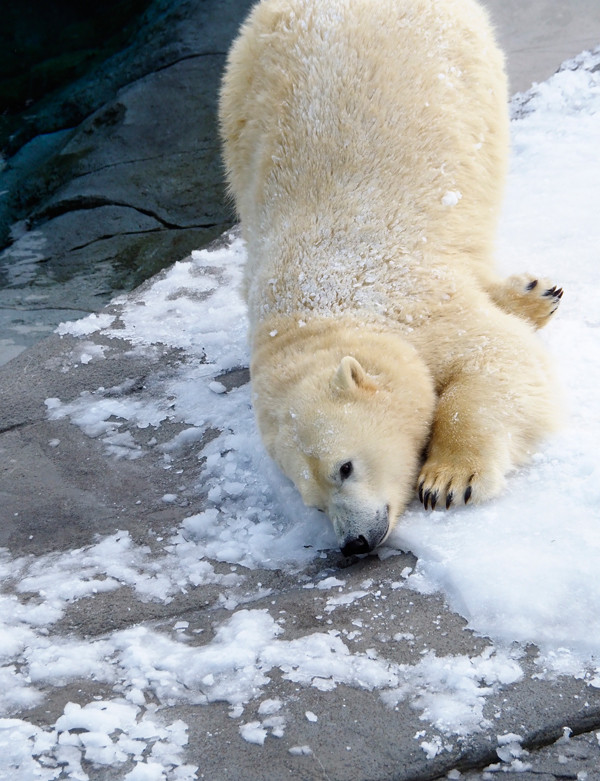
(365, 143)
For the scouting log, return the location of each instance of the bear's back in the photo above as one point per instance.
(362, 136)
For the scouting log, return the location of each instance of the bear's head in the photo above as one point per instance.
(351, 441)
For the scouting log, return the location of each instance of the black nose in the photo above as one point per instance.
(359, 545)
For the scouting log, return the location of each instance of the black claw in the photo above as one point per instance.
(434, 498)
(421, 484)
(468, 492)
(449, 498)
(531, 284)
(550, 292)
(426, 498)
(559, 292)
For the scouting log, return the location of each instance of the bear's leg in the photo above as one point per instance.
(467, 456)
(490, 416)
(531, 298)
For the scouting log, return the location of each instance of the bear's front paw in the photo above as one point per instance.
(456, 484)
(440, 488)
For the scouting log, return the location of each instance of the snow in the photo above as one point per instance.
(450, 691)
(300, 750)
(523, 568)
(328, 583)
(270, 706)
(253, 732)
(451, 198)
(105, 733)
(86, 326)
(344, 599)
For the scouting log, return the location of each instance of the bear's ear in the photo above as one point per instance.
(350, 376)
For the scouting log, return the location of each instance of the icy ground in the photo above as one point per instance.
(524, 568)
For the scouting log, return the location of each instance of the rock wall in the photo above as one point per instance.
(119, 174)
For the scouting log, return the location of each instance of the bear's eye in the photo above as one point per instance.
(346, 470)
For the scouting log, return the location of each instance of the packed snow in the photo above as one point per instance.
(525, 567)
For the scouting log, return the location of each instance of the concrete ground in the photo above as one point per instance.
(59, 499)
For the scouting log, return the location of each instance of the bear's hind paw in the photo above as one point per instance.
(531, 298)
(553, 294)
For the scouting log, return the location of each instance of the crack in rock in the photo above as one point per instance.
(579, 724)
(90, 202)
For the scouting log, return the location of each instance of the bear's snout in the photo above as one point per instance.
(354, 543)
(359, 545)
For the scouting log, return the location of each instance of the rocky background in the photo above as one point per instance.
(116, 173)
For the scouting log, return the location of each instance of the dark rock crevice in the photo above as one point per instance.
(89, 202)
(580, 723)
(109, 237)
(200, 148)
